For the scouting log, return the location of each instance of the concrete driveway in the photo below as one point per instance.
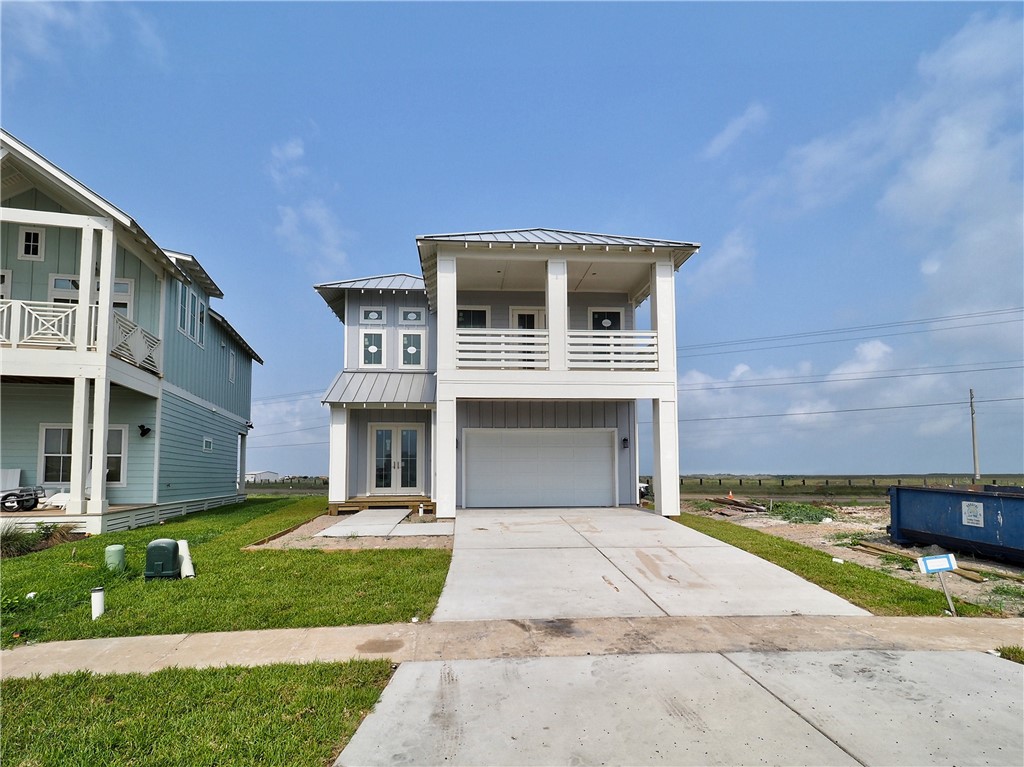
(601, 563)
(866, 706)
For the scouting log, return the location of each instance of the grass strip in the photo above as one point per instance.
(875, 591)
(270, 715)
(234, 589)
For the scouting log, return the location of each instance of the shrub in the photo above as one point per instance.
(15, 541)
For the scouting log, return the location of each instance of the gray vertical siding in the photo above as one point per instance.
(547, 414)
(501, 302)
(186, 472)
(359, 420)
(26, 406)
(392, 302)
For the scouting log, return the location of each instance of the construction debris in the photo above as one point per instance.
(738, 504)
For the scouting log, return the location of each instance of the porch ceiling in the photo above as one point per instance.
(632, 278)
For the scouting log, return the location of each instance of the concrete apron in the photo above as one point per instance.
(598, 563)
(638, 706)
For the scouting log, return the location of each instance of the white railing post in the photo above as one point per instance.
(557, 295)
(86, 289)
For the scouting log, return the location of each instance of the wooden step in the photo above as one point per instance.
(353, 505)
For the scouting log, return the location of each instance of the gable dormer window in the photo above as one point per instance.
(191, 314)
(33, 243)
(373, 315)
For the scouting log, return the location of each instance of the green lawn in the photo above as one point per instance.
(271, 715)
(875, 591)
(234, 589)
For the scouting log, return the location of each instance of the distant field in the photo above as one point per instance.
(850, 485)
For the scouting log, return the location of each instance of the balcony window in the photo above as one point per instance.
(5, 283)
(64, 290)
(606, 319)
(472, 317)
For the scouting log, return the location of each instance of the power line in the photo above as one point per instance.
(854, 338)
(293, 444)
(852, 329)
(825, 380)
(845, 410)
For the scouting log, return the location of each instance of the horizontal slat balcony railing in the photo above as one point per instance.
(37, 324)
(612, 350)
(508, 349)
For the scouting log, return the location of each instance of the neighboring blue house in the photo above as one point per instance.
(508, 375)
(111, 355)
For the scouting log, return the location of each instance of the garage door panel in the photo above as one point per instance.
(540, 467)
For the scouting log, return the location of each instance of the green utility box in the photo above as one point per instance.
(162, 559)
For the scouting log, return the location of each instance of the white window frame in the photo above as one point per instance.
(41, 245)
(41, 468)
(485, 309)
(539, 312)
(403, 320)
(207, 444)
(126, 298)
(610, 310)
(364, 320)
(383, 348)
(232, 365)
(422, 345)
(5, 284)
(192, 312)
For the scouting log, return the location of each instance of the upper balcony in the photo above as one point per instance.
(530, 349)
(39, 325)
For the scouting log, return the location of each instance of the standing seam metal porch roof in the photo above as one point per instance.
(378, 388)
(555, 237)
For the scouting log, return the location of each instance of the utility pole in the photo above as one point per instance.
(974, 441)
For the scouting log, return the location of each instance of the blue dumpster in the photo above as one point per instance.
(988, 522)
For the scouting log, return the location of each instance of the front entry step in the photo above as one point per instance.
(411, 502)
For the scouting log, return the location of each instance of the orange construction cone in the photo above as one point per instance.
(730, 495)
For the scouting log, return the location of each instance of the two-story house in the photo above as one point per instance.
(509, 374)
(111, 356)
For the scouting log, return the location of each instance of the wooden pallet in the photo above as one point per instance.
(353, 505)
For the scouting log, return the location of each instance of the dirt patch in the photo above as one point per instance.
(304, 537)
(846, 523)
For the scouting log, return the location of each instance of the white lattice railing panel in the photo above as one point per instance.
(135, 345)
(490, 348)
(36, 323)
(612, 350)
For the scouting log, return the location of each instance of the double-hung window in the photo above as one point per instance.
(55, 458)
(191, 314)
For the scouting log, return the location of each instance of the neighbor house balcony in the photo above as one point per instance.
(54, 326)
(530, 349)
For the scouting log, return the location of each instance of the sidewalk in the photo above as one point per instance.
(472, 640)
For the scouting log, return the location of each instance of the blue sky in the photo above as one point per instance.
(844, 166)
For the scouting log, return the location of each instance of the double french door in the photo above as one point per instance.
(396, 465)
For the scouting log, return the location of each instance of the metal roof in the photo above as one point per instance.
(554, 237)
(380, 388)
(190, 265)
(381, 282)
(334, 292)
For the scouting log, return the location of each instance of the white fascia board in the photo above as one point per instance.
(131, 377)
(50, 363)
(601, 385)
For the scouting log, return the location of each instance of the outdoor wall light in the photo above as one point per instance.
(144, 430)
(625, 443)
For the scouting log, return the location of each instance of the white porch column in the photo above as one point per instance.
(100, 423)
(79, 445)
(108, 256)
(663, 312)
(241, 463)
(666, 458)
(558, 313)
(337, 472)
(447, 302)
(86, 287)
(446, 456)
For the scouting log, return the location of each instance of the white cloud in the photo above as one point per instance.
(869, 357)
(285, 163)
(311, 232)
(754, 117)
(930, 266)
(724, 268)
(44, 32)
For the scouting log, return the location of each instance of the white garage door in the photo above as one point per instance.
(539, 467)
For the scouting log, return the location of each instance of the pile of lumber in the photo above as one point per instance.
(967, 571)
(736, 503)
